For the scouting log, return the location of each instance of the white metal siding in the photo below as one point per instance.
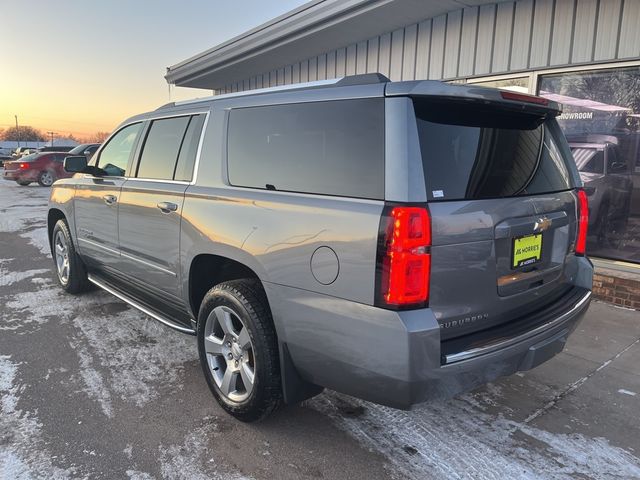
(491, 39)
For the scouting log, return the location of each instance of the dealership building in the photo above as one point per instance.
(584, 54)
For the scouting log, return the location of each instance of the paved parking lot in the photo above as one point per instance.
(90, 388)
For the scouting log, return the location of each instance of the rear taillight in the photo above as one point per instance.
(404, 257)
(23, 166)
(583, 221)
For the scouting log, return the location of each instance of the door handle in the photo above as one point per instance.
(110, 199)
(167, 207)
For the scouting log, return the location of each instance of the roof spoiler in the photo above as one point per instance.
(473, 93)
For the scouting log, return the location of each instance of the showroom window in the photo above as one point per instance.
(516, 84)
(601, 120)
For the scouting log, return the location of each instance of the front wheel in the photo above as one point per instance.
(23, 183)
(70, 270)
(239, 350)
(46, 178)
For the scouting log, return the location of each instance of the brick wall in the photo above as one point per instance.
(619, 288)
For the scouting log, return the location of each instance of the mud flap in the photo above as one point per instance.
(294, 388)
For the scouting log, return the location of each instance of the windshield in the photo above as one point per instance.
(471, 152)
(589, 160)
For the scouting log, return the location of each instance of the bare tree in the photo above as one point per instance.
(24, 133)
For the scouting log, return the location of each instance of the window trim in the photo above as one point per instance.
(147, 127)
(225, 153)
(98, 153)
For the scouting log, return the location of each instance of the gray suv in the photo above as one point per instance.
(397, 242)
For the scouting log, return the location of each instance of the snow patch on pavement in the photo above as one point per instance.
(9, 278)
(22, 453)
(188, 460)
(457, 440)
(22, 207)
(135, 475)
(137, 356)
(30, 309)
(39, 238)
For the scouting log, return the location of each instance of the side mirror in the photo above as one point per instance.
(75, 164)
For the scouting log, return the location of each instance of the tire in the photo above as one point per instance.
(46, 178)
(23, 183)
(73, 279)
(236, 336)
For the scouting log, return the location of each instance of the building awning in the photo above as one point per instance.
(311, 29)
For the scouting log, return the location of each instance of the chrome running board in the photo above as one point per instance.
(155, 315)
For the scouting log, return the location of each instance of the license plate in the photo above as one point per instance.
(526, 250)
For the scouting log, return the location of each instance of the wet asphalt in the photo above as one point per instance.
(90, 388)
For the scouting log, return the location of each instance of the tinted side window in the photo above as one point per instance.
(115, 155)
(161, 147)
(189, 149)
(331, 148)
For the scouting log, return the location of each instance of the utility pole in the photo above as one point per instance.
(52, 134)
(17, 130)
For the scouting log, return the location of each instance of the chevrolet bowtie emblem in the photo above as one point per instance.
(541, 224)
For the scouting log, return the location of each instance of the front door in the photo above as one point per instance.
(97, 198)
(151, 201)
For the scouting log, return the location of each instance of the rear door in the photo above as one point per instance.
(500, 186)
(97, 198)
(151, 203)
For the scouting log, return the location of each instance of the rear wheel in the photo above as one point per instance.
(239, 351)
(70, 270)
(46, 178)
(23, 183)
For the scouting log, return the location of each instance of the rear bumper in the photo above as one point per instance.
(396, 358)
(19, 175)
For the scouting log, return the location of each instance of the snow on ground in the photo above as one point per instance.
(135, 350)
(458, 439)
(183, 461)
(22, 453)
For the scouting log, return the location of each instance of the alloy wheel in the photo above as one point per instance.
(61, 250)
(46, 178)
(229, 353)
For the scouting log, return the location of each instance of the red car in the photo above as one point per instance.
(44, 168)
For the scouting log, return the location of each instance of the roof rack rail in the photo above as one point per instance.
(166, 105)
(362, 79)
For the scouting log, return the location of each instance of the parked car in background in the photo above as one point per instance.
(395, 241)
(84, 149)
(608, 182)
(57, 149)
(5, 154)
(44, 168)
(22, 151)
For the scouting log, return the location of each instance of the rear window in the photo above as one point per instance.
(30, 158)
(330, 148)
(470, 152)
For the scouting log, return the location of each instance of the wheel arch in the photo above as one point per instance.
(207, 270)
(53, 216)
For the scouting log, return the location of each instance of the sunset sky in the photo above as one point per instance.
(79, 67)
